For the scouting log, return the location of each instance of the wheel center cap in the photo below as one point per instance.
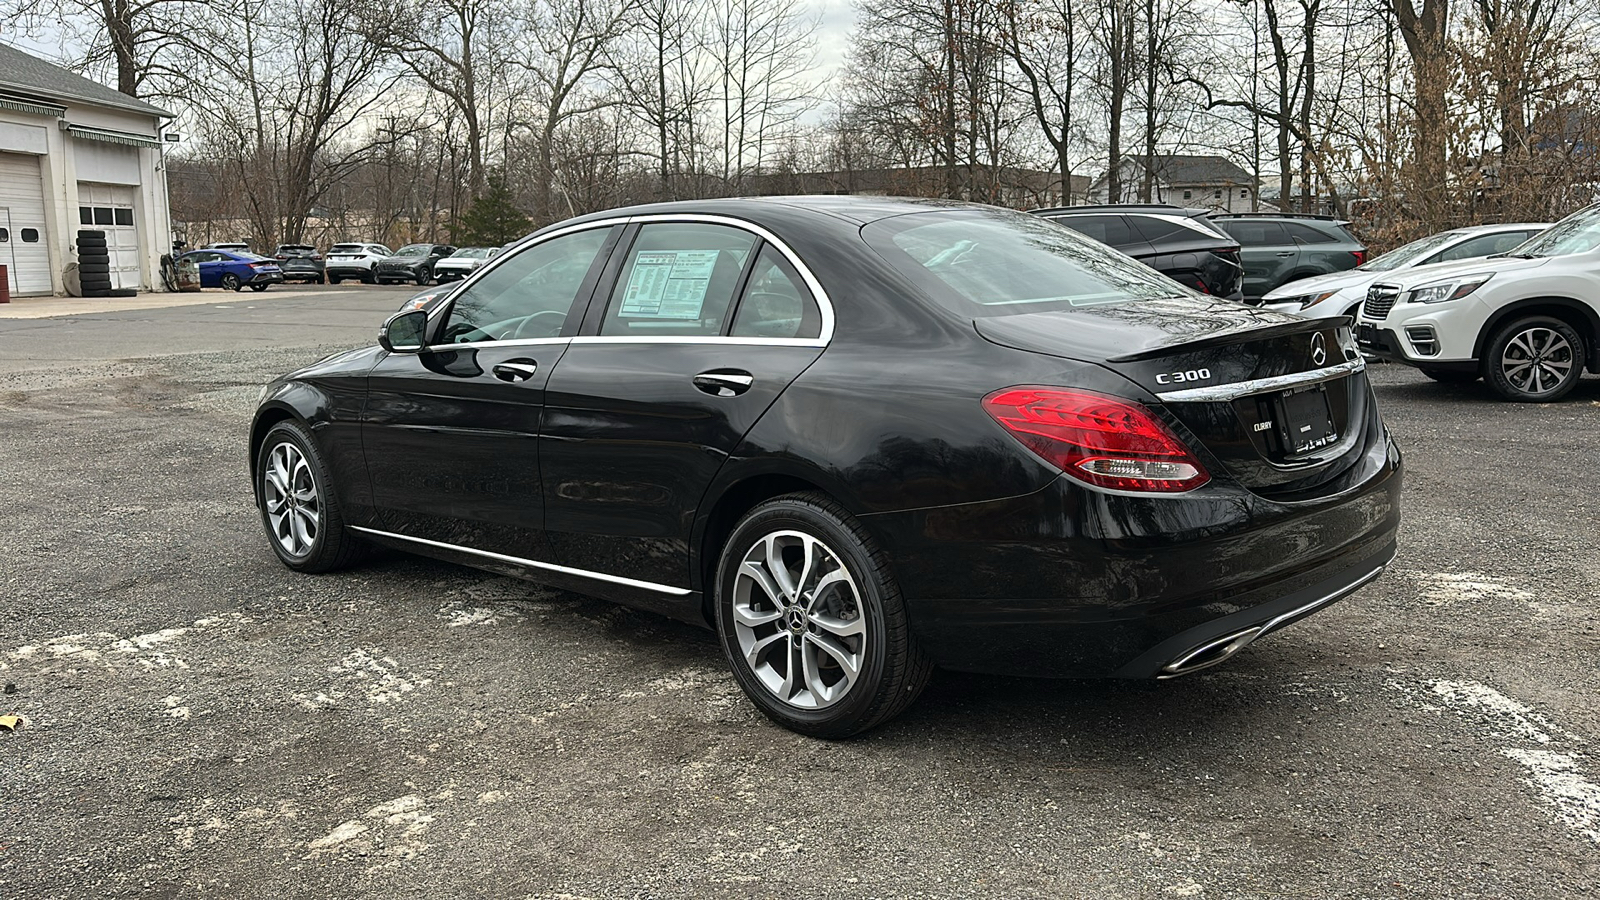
(797, 619)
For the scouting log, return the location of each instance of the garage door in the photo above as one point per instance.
(109, 208)
(23, 248)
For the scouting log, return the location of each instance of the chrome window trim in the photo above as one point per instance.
(823, 301)
(1239, 389)
(513, 342)
(532, 564)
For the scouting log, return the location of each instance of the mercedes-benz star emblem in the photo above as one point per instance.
(1319, 349)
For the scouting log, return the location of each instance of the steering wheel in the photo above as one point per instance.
(522, 326)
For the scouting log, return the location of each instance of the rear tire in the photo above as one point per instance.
(231, 282)
(1534, 360)
(299, 507)
(1444, 376)
(803, 595)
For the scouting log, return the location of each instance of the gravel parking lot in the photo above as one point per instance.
(203, 722)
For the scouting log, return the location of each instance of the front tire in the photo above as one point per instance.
(258, 288)
(812, 622)
(299, 508)
(1534, 360)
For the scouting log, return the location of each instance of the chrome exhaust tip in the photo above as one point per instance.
(1210, 653)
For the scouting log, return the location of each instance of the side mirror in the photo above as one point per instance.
(405, 332)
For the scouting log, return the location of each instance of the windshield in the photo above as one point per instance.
(1400, 257)
(472, 253)
(1577, 233)
(413, 250)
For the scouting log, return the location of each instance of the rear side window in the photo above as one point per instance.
(1309, 235)
(1000, 263)
(1256, 233)
(776, 303)
(1156, 228)
(1110, 230)
(678, 280)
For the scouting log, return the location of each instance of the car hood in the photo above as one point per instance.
(459, 261)
(1416, 277)
(1137, 330)
(1317, 284)
(402, 260)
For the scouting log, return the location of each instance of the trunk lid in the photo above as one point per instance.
(1280, 401)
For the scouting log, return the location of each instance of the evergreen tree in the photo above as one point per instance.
(493, 219)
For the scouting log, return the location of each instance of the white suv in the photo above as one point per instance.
(1526, 321)
(353, 261)
(1340, 293)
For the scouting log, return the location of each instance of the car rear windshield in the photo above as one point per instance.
(1001, 263)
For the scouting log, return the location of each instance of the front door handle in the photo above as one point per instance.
(724, 382)
(1286, 252)
(515, 370)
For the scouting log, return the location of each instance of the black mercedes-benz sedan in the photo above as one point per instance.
(857, 437)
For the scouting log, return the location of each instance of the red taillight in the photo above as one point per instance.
(1360, 255)
(1105, 441)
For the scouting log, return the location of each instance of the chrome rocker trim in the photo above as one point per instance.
(519, 561)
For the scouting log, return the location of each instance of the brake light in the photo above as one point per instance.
(1360, 255)
(1105, 441)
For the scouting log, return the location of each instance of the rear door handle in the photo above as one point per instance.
(515, 369)
(724, 382)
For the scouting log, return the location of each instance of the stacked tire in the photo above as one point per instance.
(94, 266)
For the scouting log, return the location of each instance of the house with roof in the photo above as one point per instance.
(75, 154)
(1196, 181)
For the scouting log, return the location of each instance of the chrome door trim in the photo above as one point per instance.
(1262, 385)
(532, 564)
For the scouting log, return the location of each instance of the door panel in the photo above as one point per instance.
(451, 434)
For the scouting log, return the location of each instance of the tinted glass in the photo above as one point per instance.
(678, 280)
(123, 216)
(1308, 234)
(1256, 233)
(345, 248)
(414, 250)
(1000, 263)
(1483, 245)
(1155, 228)
(528, 295)
(1409, 254)
(775, 303)
(85, 215)
(102, 215)
(30, 235)
(1112, 230)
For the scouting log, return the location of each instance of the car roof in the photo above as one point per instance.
(1100, 208)
(1510, 226)
(854, 208)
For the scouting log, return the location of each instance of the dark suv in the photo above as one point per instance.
(1179, 243)
(413, 262)
(1283, 247)
(300, 262)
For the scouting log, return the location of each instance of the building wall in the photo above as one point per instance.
(66, 160)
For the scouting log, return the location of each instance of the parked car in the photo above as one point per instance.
(1280, 247)
(300, 262)
(413, 262)
(1341, 293)
(353, 260)
(1526, 321)
(234, 270)
(1006, 448)
(463, 262)
(239, 246)
(1179, 243)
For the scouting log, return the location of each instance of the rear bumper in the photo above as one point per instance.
(265, 278)
(1073, 583)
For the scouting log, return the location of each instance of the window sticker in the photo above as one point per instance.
(668, 284)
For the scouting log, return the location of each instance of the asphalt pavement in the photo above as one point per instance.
(202, 722)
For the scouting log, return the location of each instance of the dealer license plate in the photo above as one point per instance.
(1307, 420)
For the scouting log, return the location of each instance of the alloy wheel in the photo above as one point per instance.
(294, 508)
(798, 618)
(1537, 360)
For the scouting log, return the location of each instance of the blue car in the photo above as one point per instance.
(234, 270)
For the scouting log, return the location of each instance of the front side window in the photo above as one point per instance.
(678, 280)
(776, 303)
(997, 263)
(528, 295)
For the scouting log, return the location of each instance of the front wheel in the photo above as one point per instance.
(422, 280)
(231, 282)
(812, 621)
(258, 288)
(1534, 360)
(299, 508)
(333, 279)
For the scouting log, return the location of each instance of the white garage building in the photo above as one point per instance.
(76, 154)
